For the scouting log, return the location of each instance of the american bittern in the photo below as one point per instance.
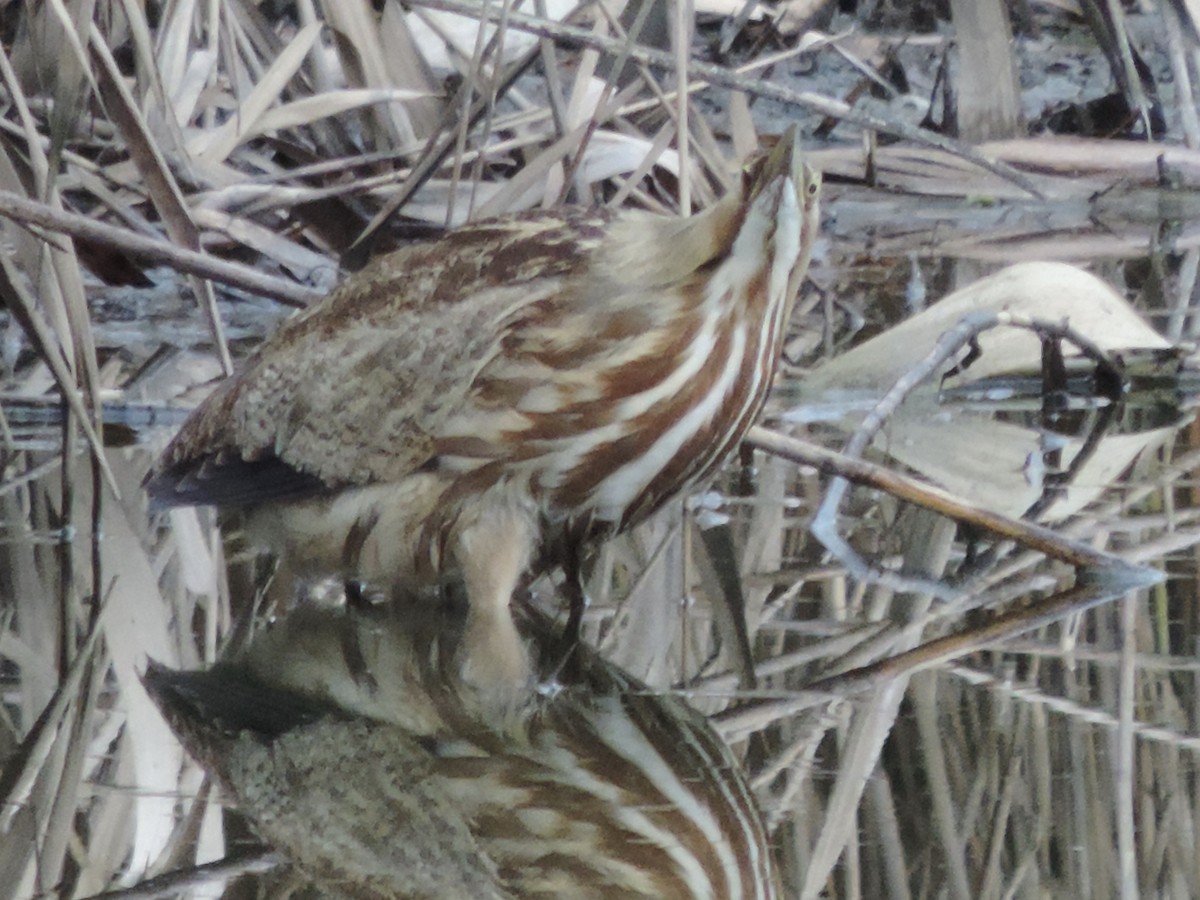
(483, 404)
(344, 737)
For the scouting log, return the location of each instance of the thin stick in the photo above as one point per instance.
(1085, 594)
(29, 212)
(831, 462)
(171, 884)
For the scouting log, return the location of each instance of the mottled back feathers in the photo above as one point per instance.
(354, 390)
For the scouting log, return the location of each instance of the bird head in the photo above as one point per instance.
(784, 192)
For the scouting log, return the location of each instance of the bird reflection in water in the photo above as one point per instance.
(347, 738)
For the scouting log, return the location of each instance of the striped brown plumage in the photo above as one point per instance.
(344, 737)
(484, 404)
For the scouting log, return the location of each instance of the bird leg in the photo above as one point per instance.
(492, 551)
(576, 596)
(571, 556)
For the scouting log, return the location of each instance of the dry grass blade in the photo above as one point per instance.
(164, 191)
(373, 52)
(60, 285)
(989, 104)
(19, 778)
(331, 103)
(215, 146)
(1077, 711)
(41, 336)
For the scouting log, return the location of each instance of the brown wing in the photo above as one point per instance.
(350, 391)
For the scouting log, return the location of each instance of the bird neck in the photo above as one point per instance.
(650, 251)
